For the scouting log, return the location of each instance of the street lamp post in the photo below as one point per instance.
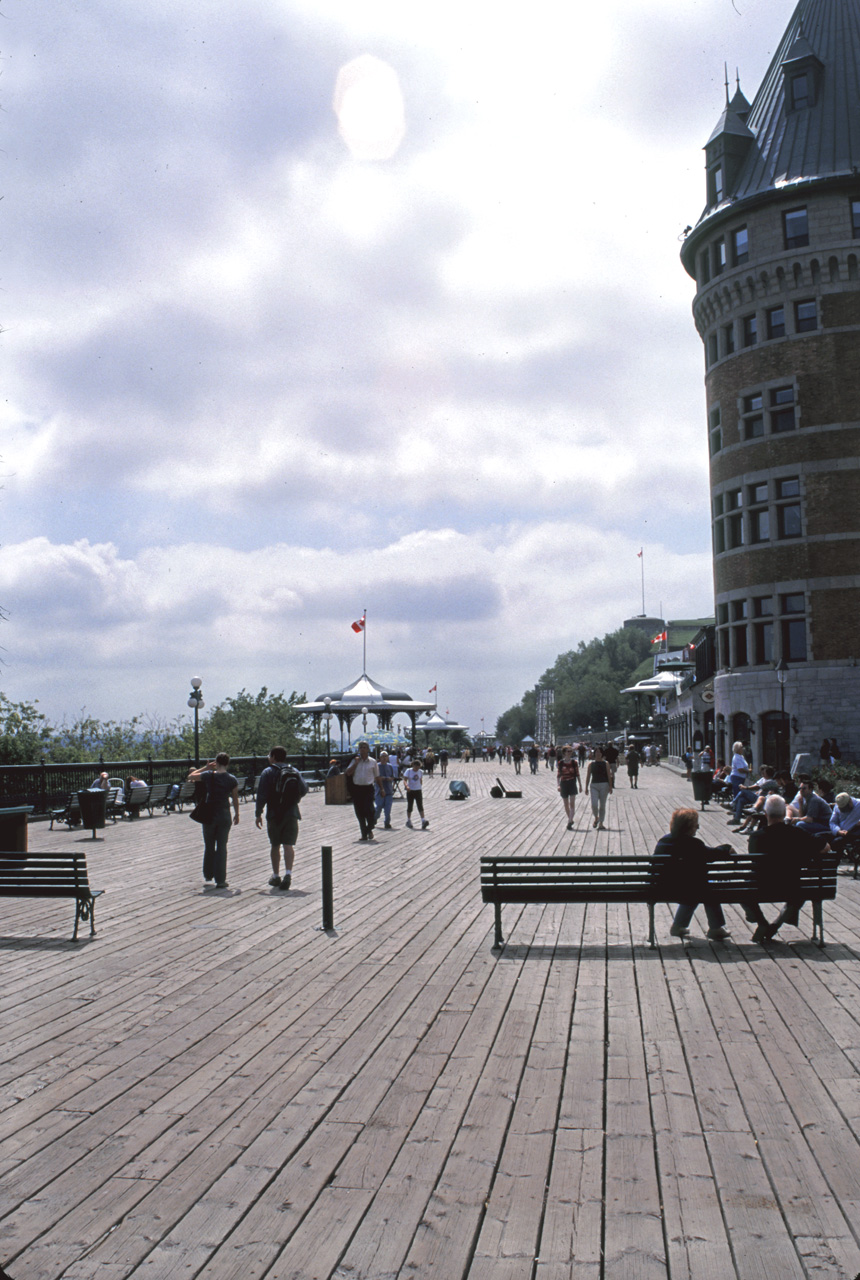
(196, 702)
(327, 715)
(782, 676)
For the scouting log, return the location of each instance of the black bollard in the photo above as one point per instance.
(327, 890)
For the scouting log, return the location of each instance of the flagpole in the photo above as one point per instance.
(364, 645)
(642, 558)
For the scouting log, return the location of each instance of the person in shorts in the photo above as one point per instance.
(568, 784)
(282, 821)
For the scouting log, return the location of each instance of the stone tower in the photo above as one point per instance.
(775, 259)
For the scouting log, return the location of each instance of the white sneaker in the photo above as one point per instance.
(425, 823)
(409, 824)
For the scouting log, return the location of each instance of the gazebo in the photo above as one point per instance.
(437, 723)
(364, 697)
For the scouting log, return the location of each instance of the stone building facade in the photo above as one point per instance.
(775, 259)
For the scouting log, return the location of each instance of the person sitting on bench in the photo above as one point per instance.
(685, 873)
(783, 849)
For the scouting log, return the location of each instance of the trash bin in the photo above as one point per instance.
(336, 791)
(13, 829)
(703, 782)
(93, 809)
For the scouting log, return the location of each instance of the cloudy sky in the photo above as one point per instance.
(312, 306)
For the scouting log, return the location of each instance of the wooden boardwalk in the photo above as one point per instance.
(213, 1087)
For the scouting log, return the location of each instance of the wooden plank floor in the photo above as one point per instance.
(214, 1087)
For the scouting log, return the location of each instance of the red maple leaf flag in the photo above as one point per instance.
(433, 690)
(358, 626)
(639, 554)
(664, 635)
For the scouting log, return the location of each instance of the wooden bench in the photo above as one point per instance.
(50, 875)
(616, 878)
(313, 779)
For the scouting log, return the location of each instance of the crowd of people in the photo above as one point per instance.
(789, 820)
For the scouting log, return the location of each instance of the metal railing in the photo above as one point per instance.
(47, 786)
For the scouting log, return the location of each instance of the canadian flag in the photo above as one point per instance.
(358, 626)
(433, 690)
(664, 635)
(639, 554)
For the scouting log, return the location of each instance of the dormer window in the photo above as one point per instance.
(715, 185)
(802, 75)
(800, 92)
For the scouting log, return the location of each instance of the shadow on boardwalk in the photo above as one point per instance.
(215, 1088)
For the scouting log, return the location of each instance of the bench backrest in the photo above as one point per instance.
(44, 875)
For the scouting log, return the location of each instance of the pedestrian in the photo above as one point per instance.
(279, 791)
(632, 760)
(362, 773)
(568, 783)
(517, 756)
(443, 762)
(384, 790)
(222, 790)
(429, 762)
(414, 795)
(598, 784)
(534, 757)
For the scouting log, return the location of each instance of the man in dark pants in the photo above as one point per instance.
(363, 773)
(783, 850)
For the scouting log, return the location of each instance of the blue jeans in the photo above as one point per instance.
(743, 797)
(215, 837)
(384, 803)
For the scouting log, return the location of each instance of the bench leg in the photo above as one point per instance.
(652, 936)
(818, 923)
(499, 941)
(85, 909)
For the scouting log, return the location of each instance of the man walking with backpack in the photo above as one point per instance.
(279, 791)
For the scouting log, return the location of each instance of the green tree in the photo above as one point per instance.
(519, 721)
(249, 724)
(24, 732)
(587, 683)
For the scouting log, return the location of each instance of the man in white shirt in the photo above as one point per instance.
(363, 774)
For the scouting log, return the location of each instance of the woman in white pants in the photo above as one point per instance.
(598, 784)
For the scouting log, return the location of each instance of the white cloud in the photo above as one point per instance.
(254, 383)
(482, 615)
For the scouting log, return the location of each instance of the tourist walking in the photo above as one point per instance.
(632, 760)
(568, 783)
(279, 791)
(222, 790)
(414, 795)
(598, 784)
(384, 793)
(362, 773)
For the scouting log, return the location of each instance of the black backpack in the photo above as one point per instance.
(290, 787)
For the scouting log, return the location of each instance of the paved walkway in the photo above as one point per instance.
(214, 1088)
